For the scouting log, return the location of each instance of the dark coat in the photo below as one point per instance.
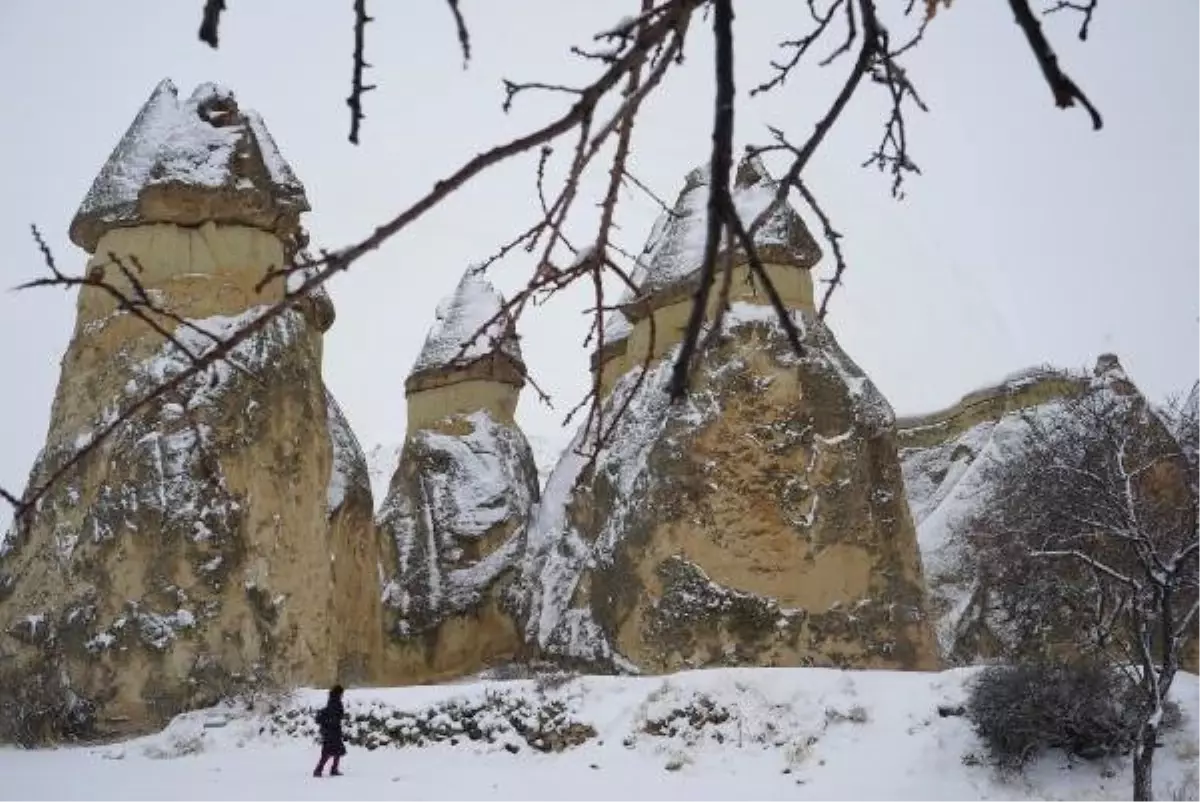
(329, 720)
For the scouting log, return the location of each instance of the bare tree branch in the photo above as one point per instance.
(460, 25)
(210, 22)
(357, 87)
(1087, 9)
(1066, 92)
(719, 202)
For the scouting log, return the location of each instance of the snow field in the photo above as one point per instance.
(747, 733)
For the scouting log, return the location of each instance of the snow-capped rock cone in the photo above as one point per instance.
(459, 502)
(189, 554)
(763, 522)
(946, 456)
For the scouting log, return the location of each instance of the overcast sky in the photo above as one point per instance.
(1029, 238)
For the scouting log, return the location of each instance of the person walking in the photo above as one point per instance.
(329, 720)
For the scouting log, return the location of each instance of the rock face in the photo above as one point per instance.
(944, 456)
(763, 522)
(356, 558)
(456, 512)
(191, 553)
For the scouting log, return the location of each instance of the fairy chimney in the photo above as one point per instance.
(668, 268)
(762, 521)
(188, 555)
(459, 501)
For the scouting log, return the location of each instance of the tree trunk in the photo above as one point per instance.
(1143, 763)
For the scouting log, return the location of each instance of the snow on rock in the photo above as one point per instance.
(945, 488)
(1192, 406)
(603, 509)
(616, 327)
(765, 733)
(674, 251)
(349, 472)
(1181, 420)
(547, 447)
(558, 550)
(179, 482)
(944, 479)
(474, 308)
(129, 555)
(946, 459)
(203, 143)
(456, 513)
(382, 460)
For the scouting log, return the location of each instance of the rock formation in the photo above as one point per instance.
(223, 537)
(945, 455)
(762, 522)
(190, 554)
(356, 557)
(459, 501)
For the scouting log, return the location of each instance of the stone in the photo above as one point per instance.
(456, 511)
(191, 555)
(761, 522)
(189, 162)
(944, 455)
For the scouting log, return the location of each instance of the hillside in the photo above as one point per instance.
(724, 733)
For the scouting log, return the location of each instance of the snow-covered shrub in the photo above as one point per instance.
(499, 719)
(38, 706)
(1086, 709)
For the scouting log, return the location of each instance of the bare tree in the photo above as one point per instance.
(1090, 534)
(631, 59)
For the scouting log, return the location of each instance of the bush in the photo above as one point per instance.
(1086, 709)
(38, 706)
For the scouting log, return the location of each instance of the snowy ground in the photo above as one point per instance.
(730, 733)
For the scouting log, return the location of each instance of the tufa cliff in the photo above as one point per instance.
(761, 522)
(456, 512)
(215, 541)
(950, 460)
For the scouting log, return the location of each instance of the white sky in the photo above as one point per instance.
(1028, 239)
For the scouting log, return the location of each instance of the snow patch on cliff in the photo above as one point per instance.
(348, 471)
(456, 492)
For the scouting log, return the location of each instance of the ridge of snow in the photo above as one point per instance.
(349, 466)
(382, 461)
(8, 532)
(1191, 406)
(278, 169)
(474, 305)
(616, 327)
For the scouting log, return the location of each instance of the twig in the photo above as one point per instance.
(357, 87)
(210, 22)
(460, 24)
(1087, 9)
(833, 238)
(1064, 89)
(719, 202)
